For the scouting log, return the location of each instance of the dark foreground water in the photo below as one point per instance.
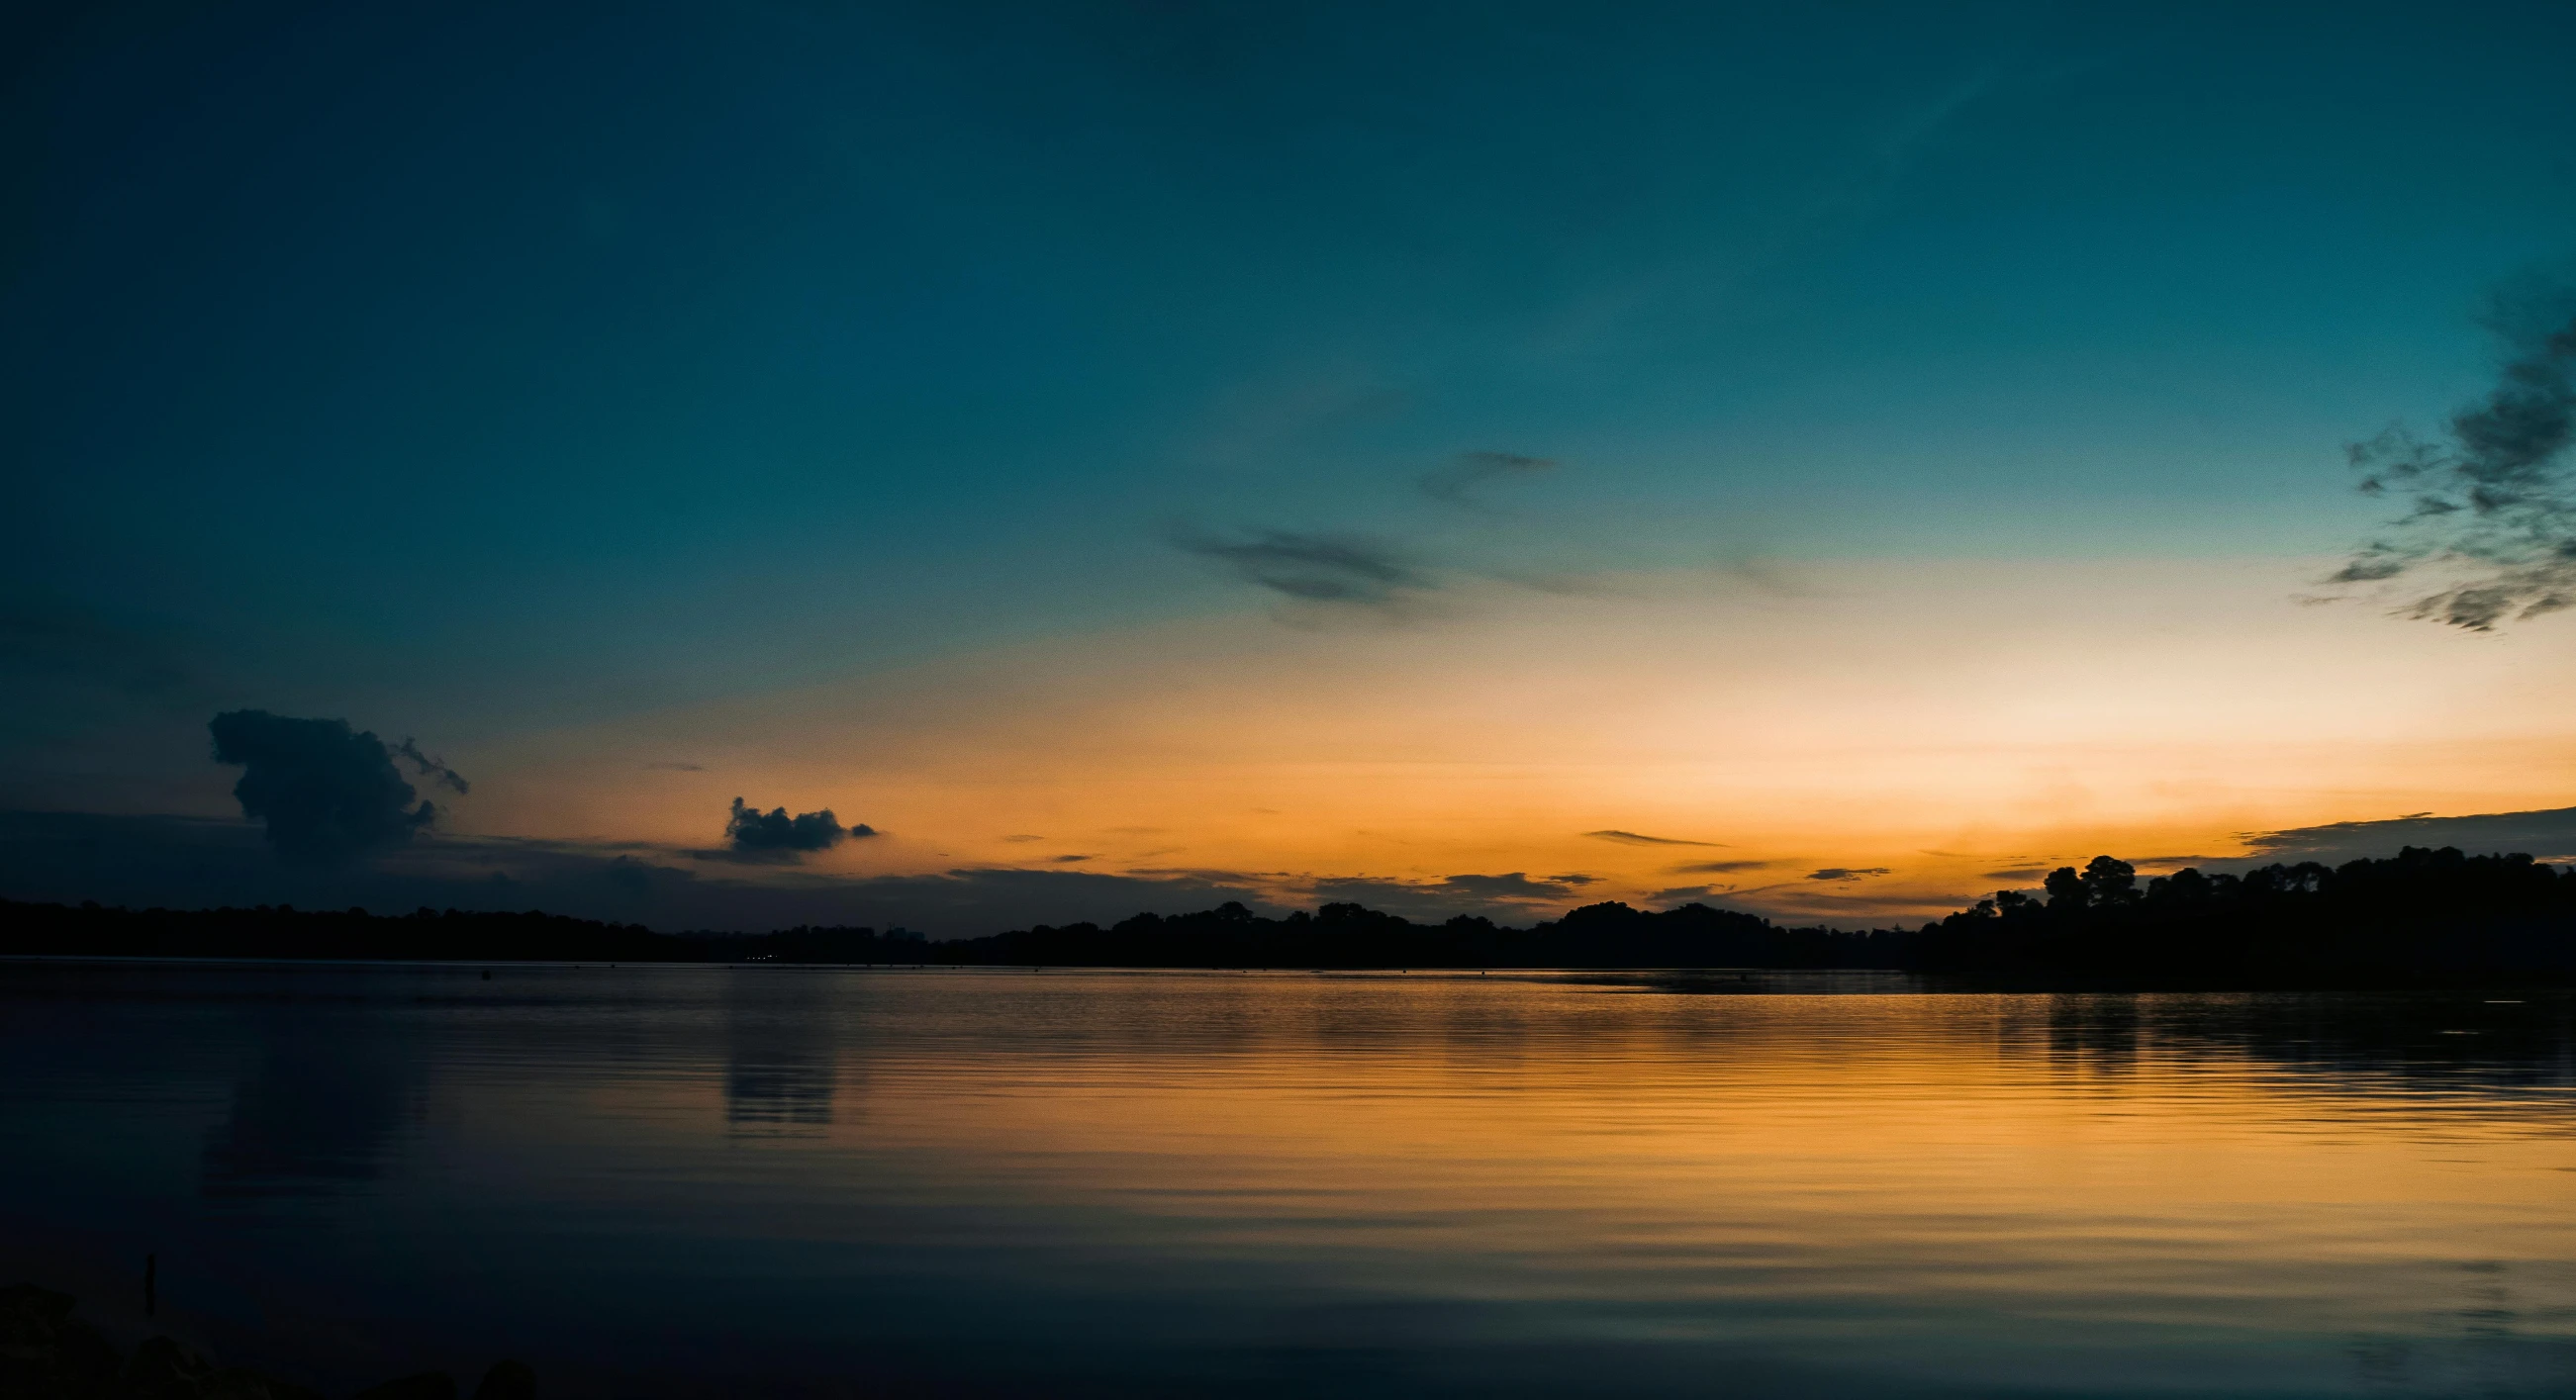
(710, 1181)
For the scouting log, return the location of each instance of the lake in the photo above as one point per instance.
(777, 1180)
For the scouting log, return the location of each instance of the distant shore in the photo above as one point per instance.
(2423, 917)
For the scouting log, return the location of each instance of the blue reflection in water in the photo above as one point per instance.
(702, 1180)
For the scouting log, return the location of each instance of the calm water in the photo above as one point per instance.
(699, 1181)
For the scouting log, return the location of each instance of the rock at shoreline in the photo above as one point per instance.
(164, 1370)
(47, 1354)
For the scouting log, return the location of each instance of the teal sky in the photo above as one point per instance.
(474, 371)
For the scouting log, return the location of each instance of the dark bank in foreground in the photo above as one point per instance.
(46, 1353)
(2420, 914)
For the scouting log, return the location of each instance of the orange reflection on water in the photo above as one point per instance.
(1979, 1174)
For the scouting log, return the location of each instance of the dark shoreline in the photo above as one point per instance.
(1677, 980)
(2423, 918)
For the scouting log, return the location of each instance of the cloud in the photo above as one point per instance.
(328, 795)
(1772, 578)
(1456, 483)
(1686, 894)
(2547, 833)
(1514, 885)
(670, 766)
(1722, 867)
(1069, 860)
(754, 835)
(1023, 838)
(1630, 838)
(1836, 872)
(2015, 872)
(2490, 523)
(1329, 569)
(433, 769)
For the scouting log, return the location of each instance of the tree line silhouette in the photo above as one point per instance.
(2419, 913)
(2422, 913)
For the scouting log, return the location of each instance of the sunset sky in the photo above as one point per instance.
(1827, 461)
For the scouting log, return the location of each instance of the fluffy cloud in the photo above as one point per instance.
(327, 794)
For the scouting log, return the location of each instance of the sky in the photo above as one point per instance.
(1826, 460)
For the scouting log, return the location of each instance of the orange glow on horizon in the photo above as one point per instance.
(1938, 722)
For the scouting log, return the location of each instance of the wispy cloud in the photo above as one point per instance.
(1314, 568)
(1634, 838)
(2490, 522)
(436, 770)
(1723, 867)
(1837, 873)
(1458, 482)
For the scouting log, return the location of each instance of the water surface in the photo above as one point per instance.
(686, 1180)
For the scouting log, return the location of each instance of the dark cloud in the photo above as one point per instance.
(1630, 838)
(1574, 879)
(1023, 838)
(435, 770)
(1514, 885)
(2489, 533)
(1069, 860)
(668, 766)
(774, 836)
(1686, 894)
(2550, 833)
(1315, 568)
(1836, 872)
(327, 794)
(2015, 872)
(1723, 867)
(1457, 482)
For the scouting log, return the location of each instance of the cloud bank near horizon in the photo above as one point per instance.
(188, 862)
(2548, 834)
